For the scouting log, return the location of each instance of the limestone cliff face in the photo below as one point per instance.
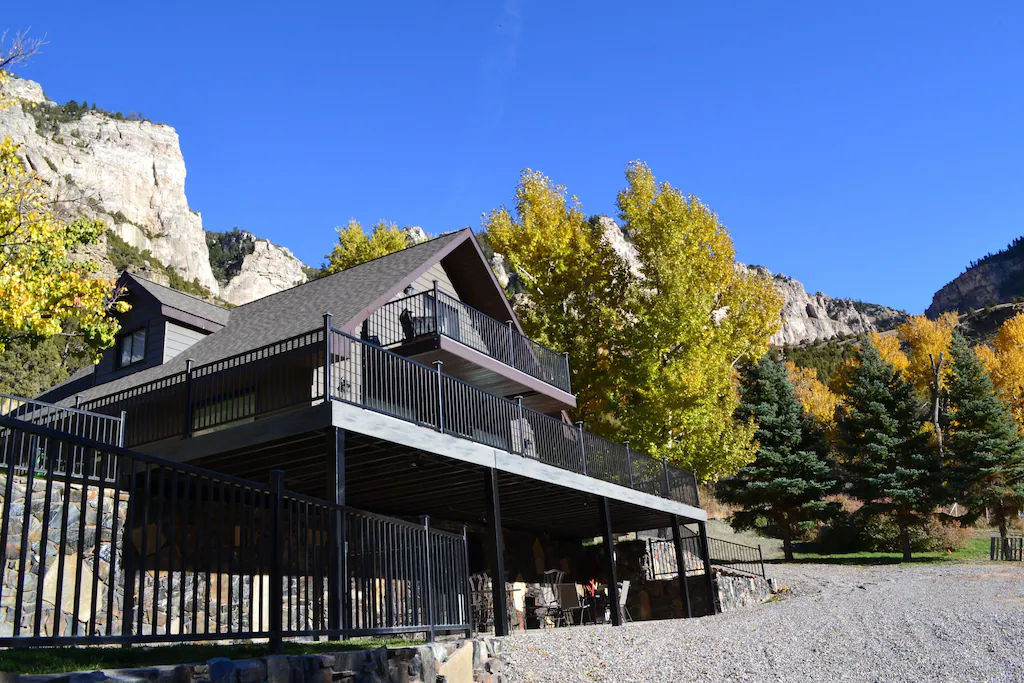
(996, 279)
(267, 270)
(807, 317)
(129, 173)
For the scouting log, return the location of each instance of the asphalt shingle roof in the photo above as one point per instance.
(183, 302)
(293, 311)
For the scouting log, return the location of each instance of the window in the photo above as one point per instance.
(131, 348)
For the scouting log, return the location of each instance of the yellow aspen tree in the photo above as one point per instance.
(889, 348)
(1004, 362)
(816, 399)
(654, 344)
(355, 246)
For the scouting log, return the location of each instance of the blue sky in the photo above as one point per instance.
(869, 149)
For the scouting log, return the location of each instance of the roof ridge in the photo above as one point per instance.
(176, 291)
(360, 265)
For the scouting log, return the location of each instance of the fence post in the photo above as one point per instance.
(760, 556)
(629, 464)
(276, 574)
(428, 592)
(439, 364)
(468, 601)
(512, 343)
(327, 356)
(668, 485)
(120, 429)
(188, 397)
(708, 578)
(568, 374)
(522, 426)
(437, 313)
(583, 450)
(696, 489)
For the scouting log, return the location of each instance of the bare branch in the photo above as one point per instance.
(20, 50)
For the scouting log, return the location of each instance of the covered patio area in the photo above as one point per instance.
(543, 529)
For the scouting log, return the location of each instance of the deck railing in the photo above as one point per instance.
(107, 429)
(166, 552)
(427, 314)
(306, 369)
(367, 375)
(661, 557)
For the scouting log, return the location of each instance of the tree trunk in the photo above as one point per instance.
(1001, 514)
(787, 542)
(936, 397)
(905, 541)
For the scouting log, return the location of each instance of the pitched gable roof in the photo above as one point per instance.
(179, 300)
(349, 296)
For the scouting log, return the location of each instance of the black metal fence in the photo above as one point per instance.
(426, 314)
(165, 552)
(661, 557)
(1011, 549)
(297, 372)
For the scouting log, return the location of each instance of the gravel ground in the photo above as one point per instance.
(838, 623)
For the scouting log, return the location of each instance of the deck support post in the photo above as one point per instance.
(609, 554)
(496, 552)
(188, 398)
(276, 572)
(677, 542)
(583, 448)
(327, 358)
(337, 560)
(705, 552)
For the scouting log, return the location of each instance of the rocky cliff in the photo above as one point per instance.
(807, 317)
(130, 173)
(994, 279)
(804, 317)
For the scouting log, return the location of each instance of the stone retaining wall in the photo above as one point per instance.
(737, 591)
(477, 660)
(661, 599)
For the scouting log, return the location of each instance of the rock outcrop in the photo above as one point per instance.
(995, 279)
(807, 317)
(130, 173)
(267, 270)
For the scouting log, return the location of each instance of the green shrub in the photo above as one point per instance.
(227, 252)
(860, 532)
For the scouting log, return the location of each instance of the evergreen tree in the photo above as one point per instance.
(892, 464)
(789, 476)
(986, 454)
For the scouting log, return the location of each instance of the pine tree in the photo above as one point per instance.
(891, 463)
(790, 475)
(986, 454)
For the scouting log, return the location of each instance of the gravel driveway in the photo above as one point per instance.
(895, 623)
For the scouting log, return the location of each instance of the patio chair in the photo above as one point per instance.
(572, 605)
(623, 592)
(548, 606)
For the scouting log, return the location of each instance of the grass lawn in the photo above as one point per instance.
(46, 660)
(977, 548)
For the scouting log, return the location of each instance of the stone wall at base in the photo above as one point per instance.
(661, 599)
(737, 591)
(421, 664)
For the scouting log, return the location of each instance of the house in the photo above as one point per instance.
(404, 386)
